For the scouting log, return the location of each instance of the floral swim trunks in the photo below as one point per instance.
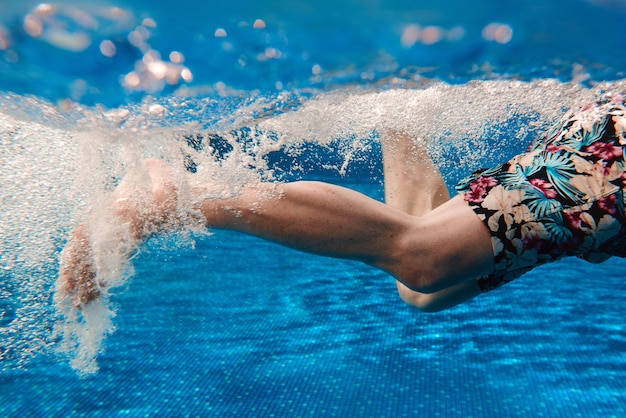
(564, 197)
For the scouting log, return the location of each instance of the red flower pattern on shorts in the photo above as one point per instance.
(575, 219)
(608, 204)
(545, 187)
(553, 148)
(606, 151)
(477, 190)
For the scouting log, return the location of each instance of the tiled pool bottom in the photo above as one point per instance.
(241, 327)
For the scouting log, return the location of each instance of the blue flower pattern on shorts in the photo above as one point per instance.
(564, 197)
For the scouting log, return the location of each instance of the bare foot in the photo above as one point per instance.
(77, 279)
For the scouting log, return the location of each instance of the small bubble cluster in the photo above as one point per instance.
(101, 35)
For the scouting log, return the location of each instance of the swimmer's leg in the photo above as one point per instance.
(414, 185)
(77, 279)
(440, 249)
(133, 219)
(445, 247)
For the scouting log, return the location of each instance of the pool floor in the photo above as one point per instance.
(242, 327)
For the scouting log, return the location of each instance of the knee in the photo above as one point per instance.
(415, 260)
(423, 279)
(425, 302)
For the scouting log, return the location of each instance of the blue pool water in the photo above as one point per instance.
(230, 325)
